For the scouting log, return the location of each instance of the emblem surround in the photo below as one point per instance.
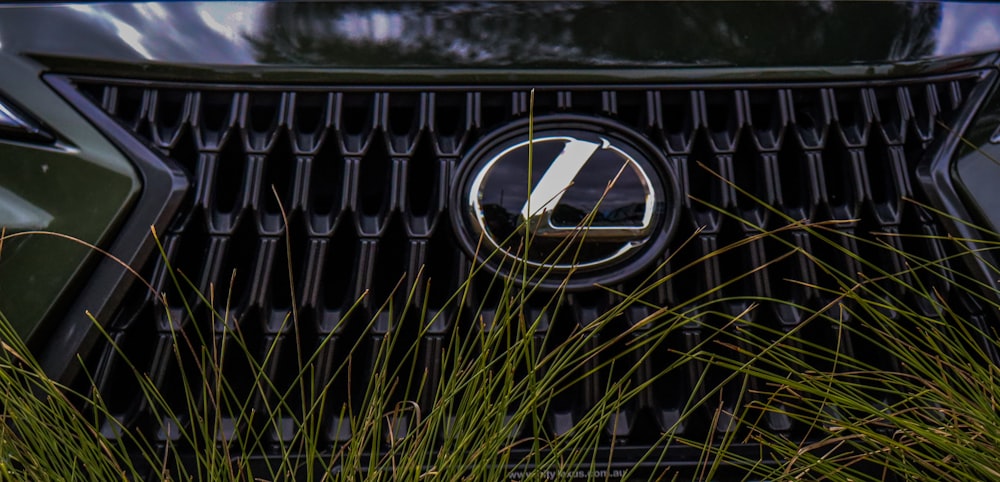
(601, 204)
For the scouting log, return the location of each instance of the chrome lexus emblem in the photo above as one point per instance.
(584, 199)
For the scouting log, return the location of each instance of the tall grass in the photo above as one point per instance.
(916, 399)
(482, 421)
(904, 387)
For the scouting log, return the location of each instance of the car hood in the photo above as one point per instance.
(498, 35)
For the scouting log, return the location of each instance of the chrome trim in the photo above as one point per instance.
(549, 191)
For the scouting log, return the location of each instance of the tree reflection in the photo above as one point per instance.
(594, 33)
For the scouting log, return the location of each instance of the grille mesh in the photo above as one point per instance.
(364, 174)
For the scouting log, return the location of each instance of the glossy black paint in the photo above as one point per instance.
(15, 125)
(163, 186)
(196, 39)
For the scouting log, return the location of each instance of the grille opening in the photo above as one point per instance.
(117, 381)
(270, 268)
(563, 408)
(838, 181)
(391, 262)
(653, 298)
(394, 365)
(726, 405)
(983, 351)
(450, 117)
(340, 269)
(183, 367)
(791, 274)
(279, 167)
(964, 87)
(346, 358)
(831, 267)
(880, 250)
(374, 185)
(811, 116)
(632, 108)
(444, 267)
(497, 108)
(883, 171)
(949, 98)
(761, 390)
(236, 360)
(405, 116)
(752, 171)
(185, 152)
(680, 287)
(431, 369)
(520, 102)
(229, 178)
(794, 181)
(914, 152)
(765, 109)
(326, 181)
(890, 114)
(546, 102)
(735, 264)
(707, 189)
(131, 105)
(931, 272)
(723, 116)
(263, 110)
(189, 265)
(140, 302)
(280, 284)
(669, 390)
(590, 101)
(679, 121)
(867, 349)
(170, 113)
(215, 116)
(240, 254)
(95, 92)
(594, 304)
(356, 112)
(853, 116)
(423, 181)
(923, 101)
(288, 357)
(823, 337)
(692, 337)
(767, 116)
(310, 114)
(617, 365)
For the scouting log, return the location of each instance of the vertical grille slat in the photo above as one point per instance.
(366, 178)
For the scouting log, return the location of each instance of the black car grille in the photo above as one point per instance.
(363, 174)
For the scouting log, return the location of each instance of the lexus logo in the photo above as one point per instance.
(583, 199)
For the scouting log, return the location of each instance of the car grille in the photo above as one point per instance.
(363, 174)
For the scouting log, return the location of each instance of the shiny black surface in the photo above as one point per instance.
(156, 37)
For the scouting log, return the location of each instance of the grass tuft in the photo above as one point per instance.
(889, 370)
